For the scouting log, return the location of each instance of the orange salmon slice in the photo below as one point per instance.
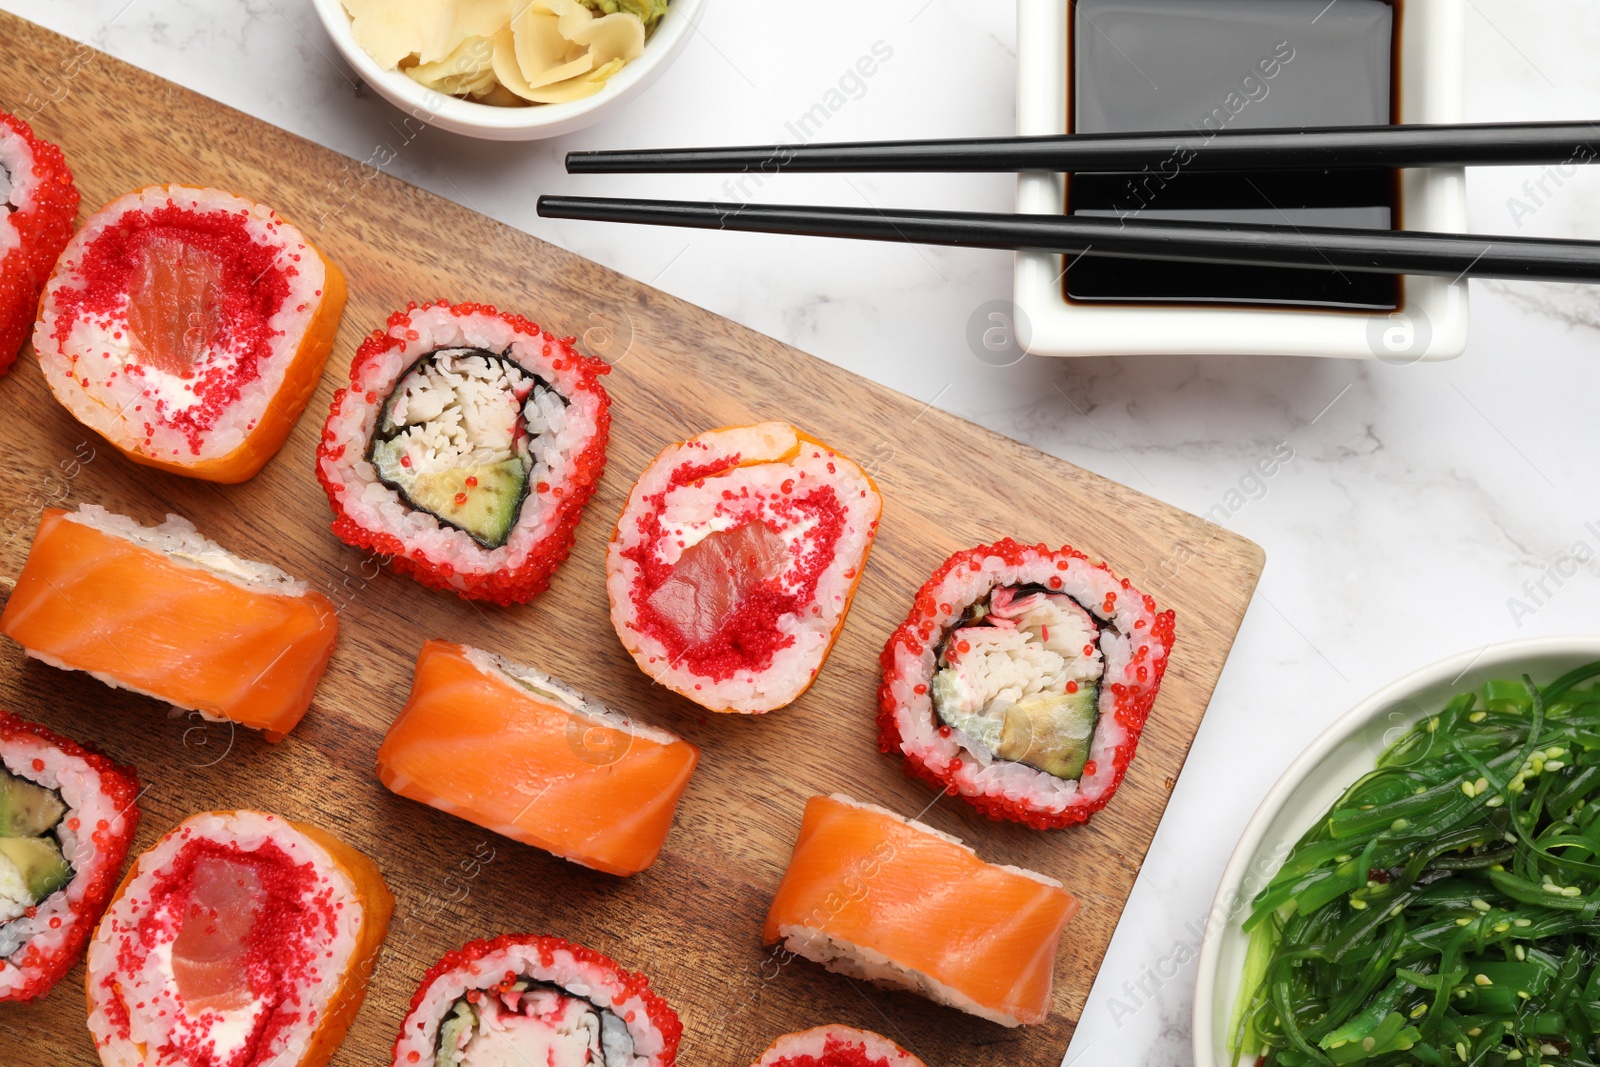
(175, 304)
(984, 933)
(90, 600)
(714, 576)
(478, 744)
(209, 953)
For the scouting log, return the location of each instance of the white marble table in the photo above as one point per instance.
(1416, 506)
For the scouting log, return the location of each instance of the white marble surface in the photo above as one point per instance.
(1413, 509)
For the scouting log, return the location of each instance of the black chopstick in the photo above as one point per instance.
(1313, 248)
(1326, 148)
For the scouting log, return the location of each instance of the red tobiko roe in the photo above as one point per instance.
(500, 587)
(242, 274)
(625, 984)
(44, 227)
(1133, 703)
(749, 636)
(121, 787)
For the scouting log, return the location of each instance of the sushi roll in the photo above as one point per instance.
(38, 203)
(836, 1046)
(871, 895)
(733, 564)
(239, 938)
(465, 448)
(67, 816)
(519, 753)
(526, 999)
(1021, 681)
(189, 328)
(165, 612)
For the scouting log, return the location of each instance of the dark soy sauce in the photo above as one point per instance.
(1207, 65)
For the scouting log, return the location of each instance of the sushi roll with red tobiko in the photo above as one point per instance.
(465, 448)
(1022, 680)
(836, 1046)
(67, 816)
(522, 998)
(38, 202)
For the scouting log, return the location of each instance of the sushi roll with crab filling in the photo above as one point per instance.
(465, 448)
(38, 202)
(526, 999)
(731, 570)
(67, 816)
(1022, 680)
(836, 1046)
(189, 328)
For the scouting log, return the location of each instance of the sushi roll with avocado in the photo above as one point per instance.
(523, 998)
(67, 816)
(38, 203)
(465, 448)
(1021, 681)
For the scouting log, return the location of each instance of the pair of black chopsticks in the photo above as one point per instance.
(1559, 144)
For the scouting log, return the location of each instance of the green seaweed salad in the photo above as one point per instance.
(1444, 911)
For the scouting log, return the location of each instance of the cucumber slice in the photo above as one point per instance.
(1051, 731)
(463, 1019)
(39, 863)
(27, 809)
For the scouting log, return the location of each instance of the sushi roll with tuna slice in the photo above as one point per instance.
(734, 562)
(465, 448)
(189, 328)
(526, 999)
(38, 202)
(240, 939)
(873, 895)
(1022, 680)
(169, 613)
(67, 816)
(836, 1046)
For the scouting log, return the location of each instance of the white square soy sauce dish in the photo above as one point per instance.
(1428, 321)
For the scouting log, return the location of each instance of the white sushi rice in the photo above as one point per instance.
(87, 372)
(156, 1012)
(641, 1046)
(980, 773)
(812, 1044)
(80, 788)
(559, 433)
(17, 185)
(770, 455)
(859, 961)
(547, 688)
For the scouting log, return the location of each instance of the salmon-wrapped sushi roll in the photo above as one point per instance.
(836, 1046)
(465, 448)
(732, 567)
(38, 202)
(519, 753)
(189, 327)
(239, 939)
(1022, 680)
(67, 816)
(872, 895)
(525, 999)
(165, 612)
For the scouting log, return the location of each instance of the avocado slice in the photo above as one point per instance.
(1051, 731)
(26, 808)
(450, 1031)
(483, 500)
(39, 861)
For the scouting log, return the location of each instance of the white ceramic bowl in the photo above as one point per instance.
(1432, 323)
(1345, 751)
(516, 123)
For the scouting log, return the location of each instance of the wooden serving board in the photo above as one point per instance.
(693, 920)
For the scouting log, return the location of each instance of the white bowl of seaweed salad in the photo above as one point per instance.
(1422, 886)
